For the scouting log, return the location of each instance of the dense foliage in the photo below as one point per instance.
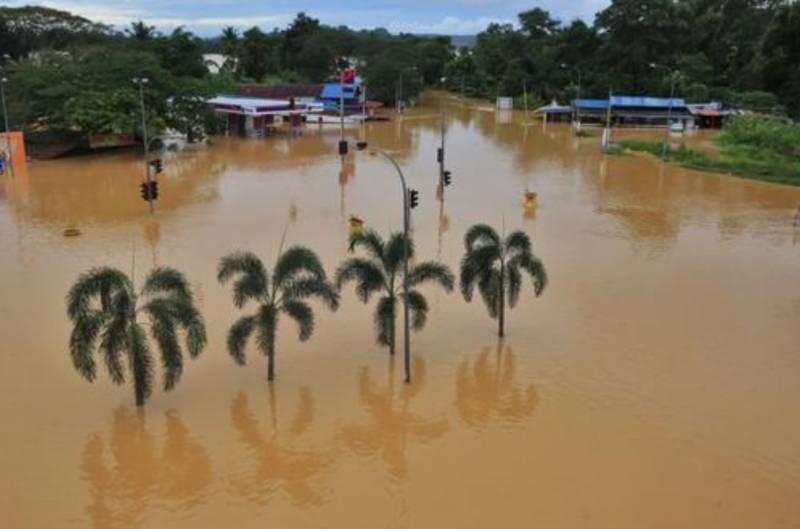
(744, 52)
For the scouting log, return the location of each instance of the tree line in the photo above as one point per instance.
(111, 316)
(744, 52)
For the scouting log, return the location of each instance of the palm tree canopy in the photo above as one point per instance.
(492, 263)
(377, 273)
(298, 275)
(103, 306)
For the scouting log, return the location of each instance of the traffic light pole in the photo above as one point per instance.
(141, 82)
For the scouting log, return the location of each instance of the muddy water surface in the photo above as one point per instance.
(654, 384)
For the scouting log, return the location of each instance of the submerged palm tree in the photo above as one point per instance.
(495, 266)
(382, 272)
(104, 304)
(297, 276)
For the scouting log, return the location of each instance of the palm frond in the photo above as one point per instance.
(113, 342)
(237, 337)
(97, 283)
(294, 261)
(252, 282)
(384, 320)
(369, 278)
(303, 315)
(266, 323)
(394, 252)
(431, 271)
(482, 234)
(163, 332)
(82, 340)
(141, 363)
(513, 284)
(165, 280)
(419, 309)
(182, 312)
(489, 286)
(310, 287)
(476, 263)
(534, 267)
(518, 241)
(371, 241)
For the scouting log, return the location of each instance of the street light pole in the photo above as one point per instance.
(141, 81)
(406, 228)
(9, 147)
(577, 91)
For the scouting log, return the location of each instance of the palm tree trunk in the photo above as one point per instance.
(501, 320)
(391, 335)
(271, 364)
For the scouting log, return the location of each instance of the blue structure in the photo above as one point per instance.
(635, 111)
(331, 95)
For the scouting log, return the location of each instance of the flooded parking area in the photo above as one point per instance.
(653, 384)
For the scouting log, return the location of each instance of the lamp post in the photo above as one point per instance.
(9, 148)
(141, 81)
(565, 66)
(362, 145)
(669, 107)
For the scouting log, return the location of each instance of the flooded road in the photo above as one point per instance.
(654, 384)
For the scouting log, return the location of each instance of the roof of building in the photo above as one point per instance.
(285, 91)
(334, 91)
(590, 103)
(646, 102)
(254, 106)
(554, 108)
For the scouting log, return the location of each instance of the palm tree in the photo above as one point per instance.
(495, 266)
(141, 32)
(104, 304)
(297, 276)
(381, 271)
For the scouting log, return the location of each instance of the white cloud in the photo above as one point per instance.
(447, 26)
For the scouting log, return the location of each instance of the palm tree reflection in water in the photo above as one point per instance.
(487, 393)
(278, 463)
(139, 476)
(391, 425)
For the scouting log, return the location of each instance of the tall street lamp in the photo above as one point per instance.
(362, 145)
(669, 107)
(141, 81)
(577, 70)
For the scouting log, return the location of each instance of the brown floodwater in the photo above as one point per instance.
(656, 382)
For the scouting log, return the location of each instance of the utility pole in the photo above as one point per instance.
(669, 106)
(141, 81)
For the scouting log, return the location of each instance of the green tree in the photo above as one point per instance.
(257, 54)
(381, 272)
(298, 275)
(495, 266)
(105, 307)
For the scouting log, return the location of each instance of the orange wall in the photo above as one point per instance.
(17, 147)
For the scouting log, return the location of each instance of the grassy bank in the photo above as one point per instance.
(757, 148)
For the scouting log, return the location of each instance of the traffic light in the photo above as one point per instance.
(413, 198)
(447, 178)
(149, 190)
(158, 165)
(343, 148)
(440, 155)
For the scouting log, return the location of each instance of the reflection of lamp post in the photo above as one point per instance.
(3, 81)
(578, 91)
(141, 81)
(362, 145)
(669, 108)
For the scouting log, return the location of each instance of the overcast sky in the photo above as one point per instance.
(206, 17)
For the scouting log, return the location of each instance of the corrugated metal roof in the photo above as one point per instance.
(646, 102)
(332, 91)
(280, 91)
(590, 103)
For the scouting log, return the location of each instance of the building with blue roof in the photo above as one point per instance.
(635, 111)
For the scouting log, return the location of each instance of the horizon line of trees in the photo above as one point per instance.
(111, 317)
(742, 52)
